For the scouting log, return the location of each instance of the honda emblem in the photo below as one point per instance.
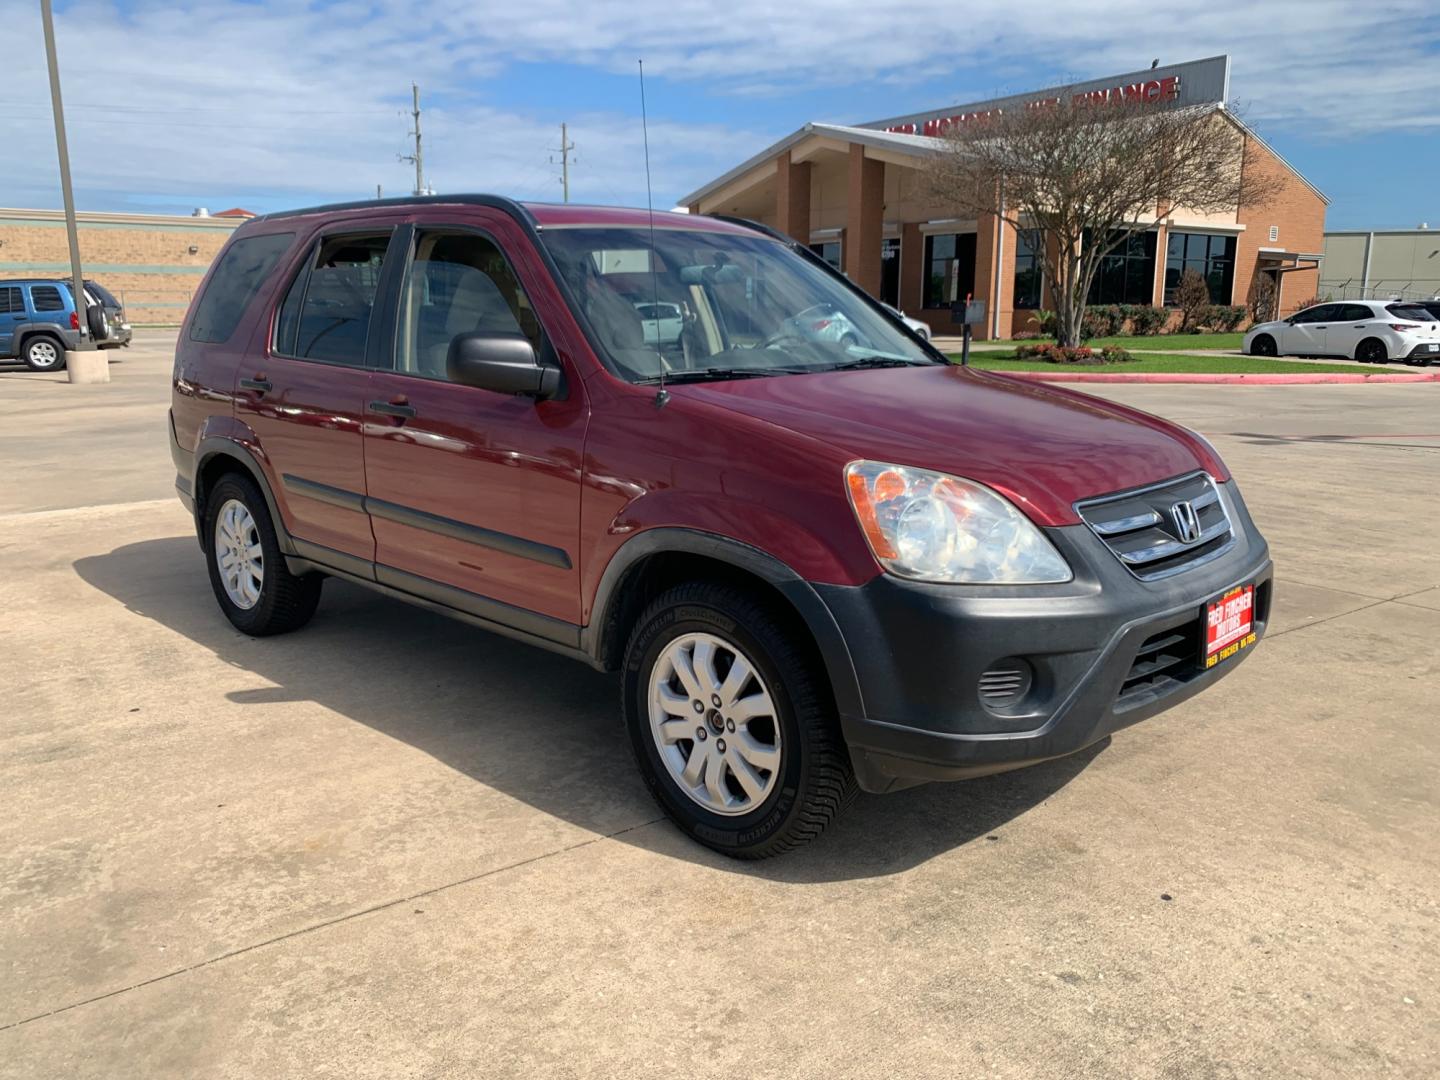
(1186, 522)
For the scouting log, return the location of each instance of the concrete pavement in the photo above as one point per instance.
(392, 845)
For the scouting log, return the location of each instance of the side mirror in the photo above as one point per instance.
(504, 363)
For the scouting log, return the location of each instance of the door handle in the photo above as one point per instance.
(1322, 328)
(259, 383)
(22, 318)
(393, 408)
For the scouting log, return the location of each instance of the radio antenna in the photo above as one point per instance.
(664, 395)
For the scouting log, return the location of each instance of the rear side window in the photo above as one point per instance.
(238, 276)
(1355, 313)
(1413, 312)
(46, 298)
(11, 301)
(326, 313)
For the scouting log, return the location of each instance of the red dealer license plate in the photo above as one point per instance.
(1229, 624)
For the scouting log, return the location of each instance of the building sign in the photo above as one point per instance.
(1195, 82)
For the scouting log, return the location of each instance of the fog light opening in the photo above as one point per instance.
(1005, 684)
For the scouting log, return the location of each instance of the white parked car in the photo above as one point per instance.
(919, 327)
(1370, 331)
(661, 323)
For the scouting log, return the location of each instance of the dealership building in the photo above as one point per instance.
(152, 262)
(856, 195)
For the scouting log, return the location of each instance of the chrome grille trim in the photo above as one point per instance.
(1139, 529)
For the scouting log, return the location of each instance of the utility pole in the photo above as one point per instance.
(91, 373)
(565, 147)
(418, 158)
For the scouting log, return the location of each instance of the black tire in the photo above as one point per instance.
(1371, 351)
(815, 779)
(1264, 345)
(98, 322)
(286, 601)
(43, 352)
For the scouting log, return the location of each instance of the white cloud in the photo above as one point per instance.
(290, 102)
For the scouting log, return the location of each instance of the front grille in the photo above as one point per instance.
(1163, 661)
(1146, 528)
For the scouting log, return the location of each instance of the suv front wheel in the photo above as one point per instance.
(255, 588)
(731, 724)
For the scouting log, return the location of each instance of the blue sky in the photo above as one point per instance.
(266, 104)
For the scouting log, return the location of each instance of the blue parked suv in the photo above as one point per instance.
(38, 321)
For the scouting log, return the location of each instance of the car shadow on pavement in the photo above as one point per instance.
(533, 725)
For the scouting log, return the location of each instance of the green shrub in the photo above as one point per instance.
(1147, 319)
(1114, 354)
(1223, 318)
(1102, 320)
(1059, 354)
(1047, 322)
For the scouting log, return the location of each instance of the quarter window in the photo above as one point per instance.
(242, 269)
(460, 283)
(326, 313)
(949, 268)
(1212, 256)
(46, 298)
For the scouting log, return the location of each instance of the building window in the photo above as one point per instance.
(829, 251)
(949, 268)
(1127, 274)
(1209, 255)
(1029, 268)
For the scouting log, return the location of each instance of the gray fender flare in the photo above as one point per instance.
(833, 649)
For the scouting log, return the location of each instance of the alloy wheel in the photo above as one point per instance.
(239, 555)
(43, 354)
(713, 720)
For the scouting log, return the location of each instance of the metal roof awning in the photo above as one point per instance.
(1283, 261)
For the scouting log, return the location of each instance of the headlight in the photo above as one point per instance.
(932, 527)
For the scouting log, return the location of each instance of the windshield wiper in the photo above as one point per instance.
(876, 361)
(715, 374)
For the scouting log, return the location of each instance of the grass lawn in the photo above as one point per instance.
(1167, 342)
(1156, 363)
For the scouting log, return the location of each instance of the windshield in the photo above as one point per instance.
(1409, 311)
(718, 306)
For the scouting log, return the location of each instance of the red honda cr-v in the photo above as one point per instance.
(820, 556)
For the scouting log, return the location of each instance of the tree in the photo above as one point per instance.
(1262, 298)
(1090, 174)
(1192, 297)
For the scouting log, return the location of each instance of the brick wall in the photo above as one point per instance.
(1299, 214)
(145, 260)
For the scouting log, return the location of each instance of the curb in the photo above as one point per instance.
(1253, 378)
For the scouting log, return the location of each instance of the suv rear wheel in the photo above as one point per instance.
(44, 353)
(253, 585)
(730, 723)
